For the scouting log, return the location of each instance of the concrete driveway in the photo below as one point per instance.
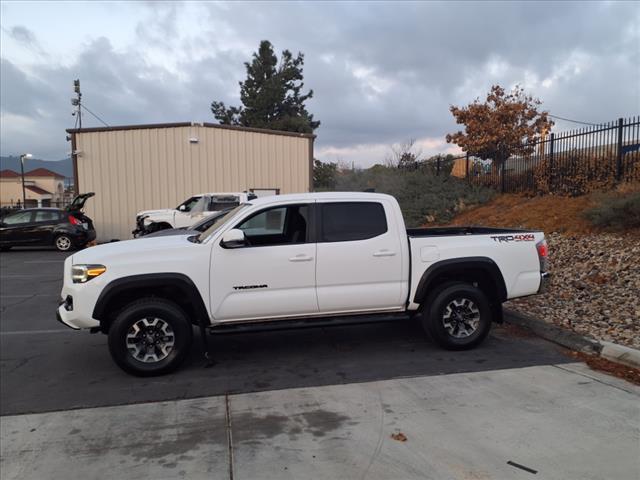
(318, 403)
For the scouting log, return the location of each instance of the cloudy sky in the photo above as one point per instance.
(381, 72)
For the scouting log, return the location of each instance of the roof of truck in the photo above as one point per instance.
(342, 196)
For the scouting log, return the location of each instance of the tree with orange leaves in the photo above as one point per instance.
(505, 124)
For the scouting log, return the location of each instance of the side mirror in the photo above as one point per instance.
(234, 238)
(182, 208)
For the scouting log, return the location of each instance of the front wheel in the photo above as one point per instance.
(458, 317)
(150, 337)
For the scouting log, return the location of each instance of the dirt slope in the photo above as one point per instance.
(548, 213)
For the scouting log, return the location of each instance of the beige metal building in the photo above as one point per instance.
(145, 167)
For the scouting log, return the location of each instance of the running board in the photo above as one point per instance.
(290, 324)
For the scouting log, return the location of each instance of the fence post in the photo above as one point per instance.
(550, 181)
(502, 172)
(466, 172)
(619, 160)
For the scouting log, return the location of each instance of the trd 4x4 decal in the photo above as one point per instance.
(524, 237)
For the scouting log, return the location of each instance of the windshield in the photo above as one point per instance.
(206, 222)
(220, 221)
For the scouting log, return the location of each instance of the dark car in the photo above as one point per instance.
(194, 229)
(65, 229)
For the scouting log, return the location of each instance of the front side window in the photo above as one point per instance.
(221, 220)
(277, 226)
(17, 218)
(188, 205)
(349, 221)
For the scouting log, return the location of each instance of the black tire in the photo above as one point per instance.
(150, 310)
(63, 243)
(452, 311)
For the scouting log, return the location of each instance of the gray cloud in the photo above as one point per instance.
(381, 73)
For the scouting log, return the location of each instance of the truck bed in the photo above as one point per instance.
(463, 230)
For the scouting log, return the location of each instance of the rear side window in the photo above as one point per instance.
(222, 203)
(349, 221)
(47, 216)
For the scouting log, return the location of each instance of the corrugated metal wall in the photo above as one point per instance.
(143, 169)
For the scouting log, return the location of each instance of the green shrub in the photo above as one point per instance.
(423, 196)
(617, 211)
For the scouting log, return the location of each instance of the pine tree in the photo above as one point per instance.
(271, 95)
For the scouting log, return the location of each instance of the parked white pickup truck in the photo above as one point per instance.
(293, 260)
(188, 212)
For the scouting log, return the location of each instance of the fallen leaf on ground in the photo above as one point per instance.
(399, 436)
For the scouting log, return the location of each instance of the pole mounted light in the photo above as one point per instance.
(23, 157)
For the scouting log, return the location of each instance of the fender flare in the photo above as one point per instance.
(485, 264)
(182, 283)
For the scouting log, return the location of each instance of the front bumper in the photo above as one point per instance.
(545, 278)
(66, 315)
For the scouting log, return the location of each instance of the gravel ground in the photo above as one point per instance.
(594, 288)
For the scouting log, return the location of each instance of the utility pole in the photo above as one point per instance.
(77, 102)
(24, 192)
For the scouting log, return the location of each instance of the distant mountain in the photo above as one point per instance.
(63, 167)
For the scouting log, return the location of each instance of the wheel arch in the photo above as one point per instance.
(176, 287)
(481, 270)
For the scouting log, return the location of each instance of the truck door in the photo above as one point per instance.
(359, 264)
(273, 275)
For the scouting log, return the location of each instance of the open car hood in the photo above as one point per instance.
(78, 202)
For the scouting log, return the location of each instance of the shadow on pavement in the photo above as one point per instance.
(71, 369)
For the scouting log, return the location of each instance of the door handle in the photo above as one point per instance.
(301, 258)
(384, 253)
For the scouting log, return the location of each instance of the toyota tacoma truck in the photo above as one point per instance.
(286, 261)
(188, 212)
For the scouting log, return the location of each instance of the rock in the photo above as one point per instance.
(594, 293)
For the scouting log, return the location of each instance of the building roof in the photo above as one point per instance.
(7, 173)
(190, 124)
(38, 190)
(42, 172)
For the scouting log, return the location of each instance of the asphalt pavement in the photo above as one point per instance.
(313, 403)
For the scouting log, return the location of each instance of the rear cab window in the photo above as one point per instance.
(351, 221)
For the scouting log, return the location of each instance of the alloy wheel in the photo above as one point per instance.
(150, 340)
(461, 318)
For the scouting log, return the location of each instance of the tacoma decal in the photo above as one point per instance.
(523, 237)
(249, 287)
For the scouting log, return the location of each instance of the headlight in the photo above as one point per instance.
(84, 273)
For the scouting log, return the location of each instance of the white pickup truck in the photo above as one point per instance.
(294, 260)
(188, 212)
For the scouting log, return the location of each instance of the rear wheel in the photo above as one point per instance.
(149, 337)
(63, 243)
(458, 316)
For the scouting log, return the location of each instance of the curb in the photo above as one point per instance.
(573, 341)
(621, 354)
(553, 333)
